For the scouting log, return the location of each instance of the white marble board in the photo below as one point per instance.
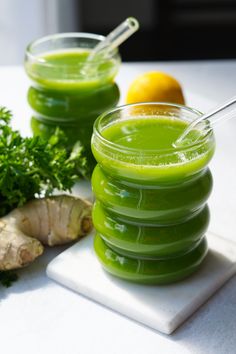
(162, 308)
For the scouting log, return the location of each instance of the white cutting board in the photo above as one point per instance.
(162, 308)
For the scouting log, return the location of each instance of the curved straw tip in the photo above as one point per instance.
(133, 23)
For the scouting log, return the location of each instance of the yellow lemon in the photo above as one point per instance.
(155, 87)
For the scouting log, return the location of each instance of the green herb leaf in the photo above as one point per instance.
(7, 278)
(32, 167)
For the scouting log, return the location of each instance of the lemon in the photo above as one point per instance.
(155, 87)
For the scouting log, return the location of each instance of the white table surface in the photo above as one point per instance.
(39, 316)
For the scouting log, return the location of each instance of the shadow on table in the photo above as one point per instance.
(211, 329)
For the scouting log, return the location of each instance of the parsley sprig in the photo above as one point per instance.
(32, 167)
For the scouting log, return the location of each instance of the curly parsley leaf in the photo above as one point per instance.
(32, 167)
(7, 278)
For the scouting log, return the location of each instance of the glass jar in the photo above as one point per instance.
(67, 90)
(150, 213)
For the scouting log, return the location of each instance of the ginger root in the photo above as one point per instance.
(50, 221)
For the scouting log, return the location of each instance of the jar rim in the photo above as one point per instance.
(121, 148)
(69, 35)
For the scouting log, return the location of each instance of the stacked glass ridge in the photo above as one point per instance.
(150, 213)
(68, 90)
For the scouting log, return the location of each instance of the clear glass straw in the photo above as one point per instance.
(115, 38)
(206, 122)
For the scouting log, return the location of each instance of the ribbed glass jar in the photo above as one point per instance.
(150, 213)
(67, 90)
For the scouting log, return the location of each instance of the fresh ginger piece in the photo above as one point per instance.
(16, 248)
(60, 219)
(50, 221)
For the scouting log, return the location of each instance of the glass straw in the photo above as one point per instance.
(115, 38)
(206, 122)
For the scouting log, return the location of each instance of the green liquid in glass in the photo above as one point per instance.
(66, 95)
(150, 212)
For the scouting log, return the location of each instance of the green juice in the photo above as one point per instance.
(50, 71)
(150, 212)
(68, 92)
